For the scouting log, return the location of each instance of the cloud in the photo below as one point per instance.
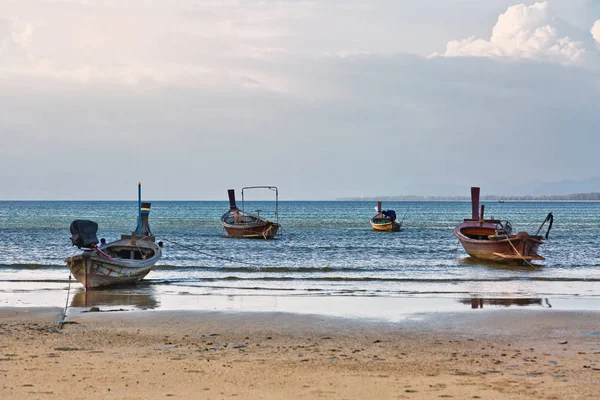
(205, 43)
(596, 31)
(14, 38)
(522, 32)
(229, 44)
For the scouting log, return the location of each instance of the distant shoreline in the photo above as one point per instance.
(575, 197)
(463, 201)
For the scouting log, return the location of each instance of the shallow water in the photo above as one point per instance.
(327, 249)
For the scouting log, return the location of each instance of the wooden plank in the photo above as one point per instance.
(517, 257)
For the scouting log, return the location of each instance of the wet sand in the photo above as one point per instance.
(500, 354)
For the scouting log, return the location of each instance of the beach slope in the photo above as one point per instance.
(503, 354)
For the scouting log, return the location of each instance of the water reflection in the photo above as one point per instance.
(506, 302)
(142, 298)
(497, 265)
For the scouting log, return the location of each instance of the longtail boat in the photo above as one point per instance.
(240, 223)
(493, 239)
(385, 220)
(123, 261)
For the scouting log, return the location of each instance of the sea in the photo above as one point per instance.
(327, 259)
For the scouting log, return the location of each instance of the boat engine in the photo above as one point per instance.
(83, 233)
(503, 229)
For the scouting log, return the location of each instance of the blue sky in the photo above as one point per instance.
(324, 99)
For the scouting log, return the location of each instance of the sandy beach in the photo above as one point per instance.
(500, 354)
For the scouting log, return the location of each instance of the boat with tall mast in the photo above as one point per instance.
(240, 223)
(494, 240)
(123, 261)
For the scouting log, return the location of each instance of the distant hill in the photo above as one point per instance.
(566, 187)
(595, 196)
(567, 190)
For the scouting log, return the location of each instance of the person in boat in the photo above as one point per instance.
(102, 242)
(237, 217)
(390, 214)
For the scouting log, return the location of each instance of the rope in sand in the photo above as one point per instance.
(61, 321)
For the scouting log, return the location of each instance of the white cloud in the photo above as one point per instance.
(596, 31)
(345, 53)
(203, 43)
(14, 38)
(522, 32)
(229, 44)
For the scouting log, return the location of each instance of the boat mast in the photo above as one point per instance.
(475, 203)
(276, 206)
(138, 230)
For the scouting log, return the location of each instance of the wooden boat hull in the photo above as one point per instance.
(93, 269)
(265, 230)
(389, 226)
(493, 240)
(241, 224)
(513, 249)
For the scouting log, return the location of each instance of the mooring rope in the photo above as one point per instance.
(404, 216)
(517, 251)
(62, 321)
(212, 255)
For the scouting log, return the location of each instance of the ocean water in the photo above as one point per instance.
(326, 250)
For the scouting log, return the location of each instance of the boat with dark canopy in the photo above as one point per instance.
(240, 223)
(494, 240)
(124, 261)
(385, 220)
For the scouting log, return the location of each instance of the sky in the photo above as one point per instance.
(324, 99)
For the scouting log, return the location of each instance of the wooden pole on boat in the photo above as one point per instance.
(475, 203)
(138, 231)
(231, 194)
(379, 207)
(276, 207)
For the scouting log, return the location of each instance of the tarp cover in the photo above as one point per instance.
(84, 233)
(391, 214)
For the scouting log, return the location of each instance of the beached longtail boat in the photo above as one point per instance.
(492, 239)
(242, 224)
(120, 262)
(385, 220)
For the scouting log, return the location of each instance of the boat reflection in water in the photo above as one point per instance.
(506, 302)
(468, 260)
(139, 297)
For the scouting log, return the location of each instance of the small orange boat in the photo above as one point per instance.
(493, 239)
(385, 220)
